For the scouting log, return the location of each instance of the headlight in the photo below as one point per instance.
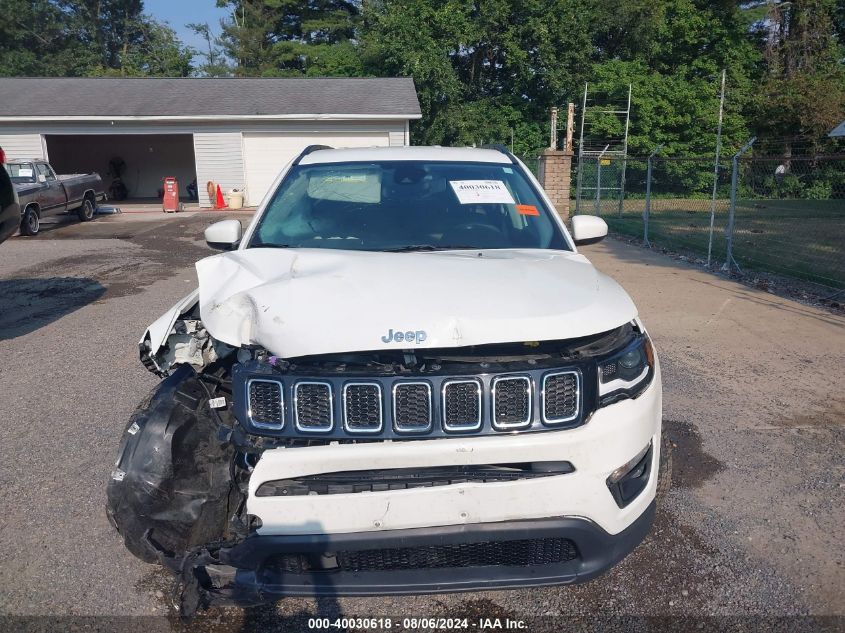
(627, 372)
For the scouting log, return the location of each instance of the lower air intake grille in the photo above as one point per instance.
(266, 404)
(313, 406)
(505, 553)
(512, 401)
(412, 406)
(362, 407)
(560, 397)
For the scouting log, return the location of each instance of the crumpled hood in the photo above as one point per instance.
(316, 301)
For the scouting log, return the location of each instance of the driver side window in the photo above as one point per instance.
(44, 170)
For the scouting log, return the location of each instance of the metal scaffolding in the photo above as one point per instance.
(605, 122)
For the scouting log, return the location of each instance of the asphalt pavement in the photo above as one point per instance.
(750, 535)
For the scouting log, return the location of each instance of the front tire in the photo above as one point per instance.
(86, 211)
(30, 222)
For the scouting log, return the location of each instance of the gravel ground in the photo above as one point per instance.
(748, 539)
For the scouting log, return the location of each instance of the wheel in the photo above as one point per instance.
(30, 223)
(86, 211)
(664, 469)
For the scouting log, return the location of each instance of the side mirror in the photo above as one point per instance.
(224, 235)
(588, 229)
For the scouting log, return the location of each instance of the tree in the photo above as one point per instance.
(34, 40)
(674, 65)
(292, 37)
(87, 37)
(155, 52)
(216, 64)
(481, 69)
(803, 91)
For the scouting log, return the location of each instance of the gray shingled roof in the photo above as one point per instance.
(185, 97)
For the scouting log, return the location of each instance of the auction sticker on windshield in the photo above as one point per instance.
(481, 192)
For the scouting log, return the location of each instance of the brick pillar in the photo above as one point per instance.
(555, 170)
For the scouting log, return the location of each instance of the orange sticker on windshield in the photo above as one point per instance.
(527, 209)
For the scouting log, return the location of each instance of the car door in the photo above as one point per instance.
(52, 195)
(10, 210)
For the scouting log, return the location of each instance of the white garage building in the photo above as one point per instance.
(237, 133)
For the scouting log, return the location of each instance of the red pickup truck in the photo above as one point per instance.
(42, 192)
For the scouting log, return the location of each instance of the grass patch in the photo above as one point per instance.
(804, 239)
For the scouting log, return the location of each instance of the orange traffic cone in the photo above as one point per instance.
(220, 203)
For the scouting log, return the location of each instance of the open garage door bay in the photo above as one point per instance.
(265, 154)
(143, 159)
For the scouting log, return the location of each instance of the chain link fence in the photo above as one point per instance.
(532, 161)
(788, 217)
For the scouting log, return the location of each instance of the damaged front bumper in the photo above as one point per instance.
(453, 558)
(550, 529)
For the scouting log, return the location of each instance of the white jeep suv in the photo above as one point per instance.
(402, 377)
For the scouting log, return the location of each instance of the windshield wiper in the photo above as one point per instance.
(268, 245)
(426, 247)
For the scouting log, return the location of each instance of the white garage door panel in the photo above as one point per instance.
(22, 145)
(266, 154)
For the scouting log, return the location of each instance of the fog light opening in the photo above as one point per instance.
(629, 480)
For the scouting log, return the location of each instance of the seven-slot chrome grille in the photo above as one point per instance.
(386, 407)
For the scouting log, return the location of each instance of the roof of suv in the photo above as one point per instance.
(365, 154)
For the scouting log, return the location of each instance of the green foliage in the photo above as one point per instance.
(819, 190)
(87, 37)
(802, 92)
(481, 69)
(489, 70)
(214, 62)
(276, 38)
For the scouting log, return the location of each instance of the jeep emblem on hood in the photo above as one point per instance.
(410, 336)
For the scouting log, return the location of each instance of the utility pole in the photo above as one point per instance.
(716, 169)
(553, 130)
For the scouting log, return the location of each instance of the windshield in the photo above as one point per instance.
(21, 173)
(407, 206)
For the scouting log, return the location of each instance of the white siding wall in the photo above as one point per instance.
(218, 146)
(219, 157)
(22, 145)
(267, 153)
(397, 138)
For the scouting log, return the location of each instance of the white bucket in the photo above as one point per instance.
(236, 199)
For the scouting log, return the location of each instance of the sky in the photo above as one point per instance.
(178, 13)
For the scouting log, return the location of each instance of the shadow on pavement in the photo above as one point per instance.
(29, 304)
